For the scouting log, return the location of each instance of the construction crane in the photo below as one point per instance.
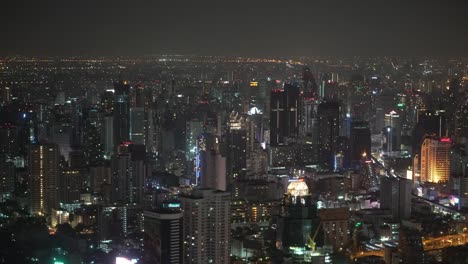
(312, 243)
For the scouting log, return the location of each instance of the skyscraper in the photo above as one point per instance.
(298, 221)
(121, 112)
(137, 125)
(435, 159)
(207, 226)
(285, 115)
(329, 131)
(237, 151)
(278, 117)
(128, 174)
(193, 131)
(43, 178)
(108, 137)
(393, 128)
(360, 140)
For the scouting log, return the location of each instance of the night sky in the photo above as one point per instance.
(222, 27)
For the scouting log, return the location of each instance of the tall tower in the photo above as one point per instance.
(43, 178)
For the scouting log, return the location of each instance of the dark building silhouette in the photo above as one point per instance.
(329, 129)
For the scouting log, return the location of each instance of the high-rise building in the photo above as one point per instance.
(298, 221)
(43, 178)
(210, 164)
(128, 174)
(278, 117)
(310, 86)
(69, 186)
(8, 139)
(360, 140)
(435, 159)
(393, 128)
(293, 108)
(285, 116)
(62, 135)
(108, 137)
(163, 236)
(7, 179)
(329, 129)
(207, 226)
(121, 112)
(137, 125)
(193, 131)
(395, 195)
(237, 151)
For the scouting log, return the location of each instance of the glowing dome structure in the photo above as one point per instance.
(298, 188)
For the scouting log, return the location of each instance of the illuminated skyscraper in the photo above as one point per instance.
(435, 159)
(43, 178)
